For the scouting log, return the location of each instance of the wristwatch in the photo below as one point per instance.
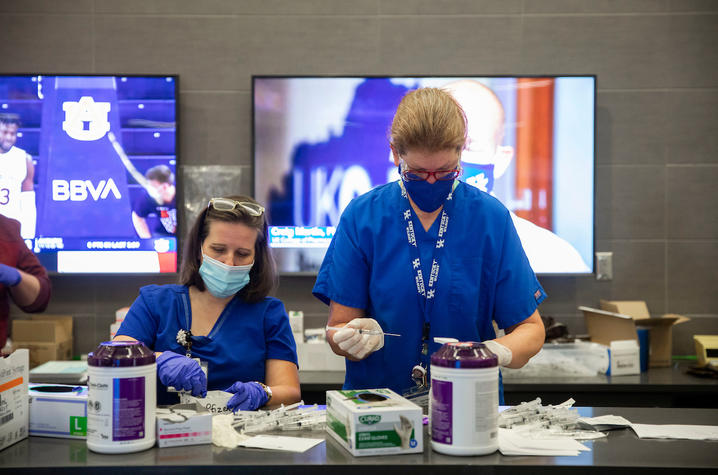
(267, 390)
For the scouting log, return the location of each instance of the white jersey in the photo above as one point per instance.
(13, 170)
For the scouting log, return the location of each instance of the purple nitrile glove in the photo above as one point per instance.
(181, 372)
(247, 396)
(9, 276)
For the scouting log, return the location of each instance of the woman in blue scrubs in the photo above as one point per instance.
(426, 256)
(221, 314)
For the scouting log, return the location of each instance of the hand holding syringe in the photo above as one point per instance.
(363, 331)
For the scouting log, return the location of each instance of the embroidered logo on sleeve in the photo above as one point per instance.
(537, 295)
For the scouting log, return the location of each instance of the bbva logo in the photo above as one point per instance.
(86, 111)
(370, 419)
(80, 190)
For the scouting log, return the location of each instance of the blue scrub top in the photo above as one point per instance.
(243, 338)
(484, 275)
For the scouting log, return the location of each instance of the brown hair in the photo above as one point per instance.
(262, 276)
(428, 119)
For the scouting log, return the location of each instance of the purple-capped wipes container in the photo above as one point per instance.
(122, 397)
(464, 399)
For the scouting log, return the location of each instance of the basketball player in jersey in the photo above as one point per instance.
(156, 216)
(17, 193)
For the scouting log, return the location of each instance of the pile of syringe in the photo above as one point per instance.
(531, 419)
(293, 417)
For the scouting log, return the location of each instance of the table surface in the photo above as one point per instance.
(674, 376)
(621, 452)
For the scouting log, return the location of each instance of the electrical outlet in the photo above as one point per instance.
(604, 266)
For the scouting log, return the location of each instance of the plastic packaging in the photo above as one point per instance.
(122, 397)
(464, 399)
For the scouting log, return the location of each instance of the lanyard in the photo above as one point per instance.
(426, 292)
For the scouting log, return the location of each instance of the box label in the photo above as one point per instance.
(78, 426)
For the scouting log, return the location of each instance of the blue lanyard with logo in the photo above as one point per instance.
(426, 291)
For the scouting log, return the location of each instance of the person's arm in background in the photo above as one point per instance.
(524, 340)
(140, 225)
(28, 210)
(32, 292)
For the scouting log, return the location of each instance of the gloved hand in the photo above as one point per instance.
(403, 430)
(247, 396)
(355, 339)
(501, 351)
(9, 276)
(181, 372)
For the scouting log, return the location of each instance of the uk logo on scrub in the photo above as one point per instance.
(86, 120)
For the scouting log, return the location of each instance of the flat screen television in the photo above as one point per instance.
(87, 166)
(321, 141)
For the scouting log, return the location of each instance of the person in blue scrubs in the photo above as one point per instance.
(221, 313)
(426, 256)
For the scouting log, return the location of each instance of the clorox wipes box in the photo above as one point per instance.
(374, 422)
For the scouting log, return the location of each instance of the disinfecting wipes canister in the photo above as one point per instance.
(464, 399)
(122, 397)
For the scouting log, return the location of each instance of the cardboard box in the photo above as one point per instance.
(14, 410)
(47, 337)
(183, 424)
(374, 422)
(58, 410)
(617, 320)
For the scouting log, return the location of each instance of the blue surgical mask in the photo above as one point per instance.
(480, 176)
(222, 280)
(428, 196)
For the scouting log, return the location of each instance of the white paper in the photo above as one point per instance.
(606, 422)
(280, 442)
(675, 431)
(510, 443)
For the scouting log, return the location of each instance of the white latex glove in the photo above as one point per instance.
(355, 339)
(502, 352)
(403, 430)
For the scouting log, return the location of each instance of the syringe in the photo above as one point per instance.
(364, 331)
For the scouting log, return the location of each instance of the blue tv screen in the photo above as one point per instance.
(87, 166)
(321, 141)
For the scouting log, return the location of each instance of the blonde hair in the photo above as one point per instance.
(428, 119)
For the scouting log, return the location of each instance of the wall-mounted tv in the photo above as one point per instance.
(88, 166)
(321, 141)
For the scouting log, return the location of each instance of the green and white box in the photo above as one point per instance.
(374, 422)
(58, 410)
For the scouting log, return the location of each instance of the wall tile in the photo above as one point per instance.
(633, 128)
(84, 338)
(639, 273)
(637, 202)
(698, 325)
(442, 45)
(449, 7)
(215, 128)
(692, 128)
(305, 45)
(46, 6)
(692, 5)
(46, 44)
(692, 277)
(624, 51)
(244, 7)
(692, 202)
(592, 6)
(204, 51)
(689, 57)
(561, 293)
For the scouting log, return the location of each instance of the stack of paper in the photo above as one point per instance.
(675, 431)
(280, 442)
(61, 372)
(511, 443)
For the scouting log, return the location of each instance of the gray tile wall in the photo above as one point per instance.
(657, 70)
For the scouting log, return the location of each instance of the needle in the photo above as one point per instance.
(366, 332)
